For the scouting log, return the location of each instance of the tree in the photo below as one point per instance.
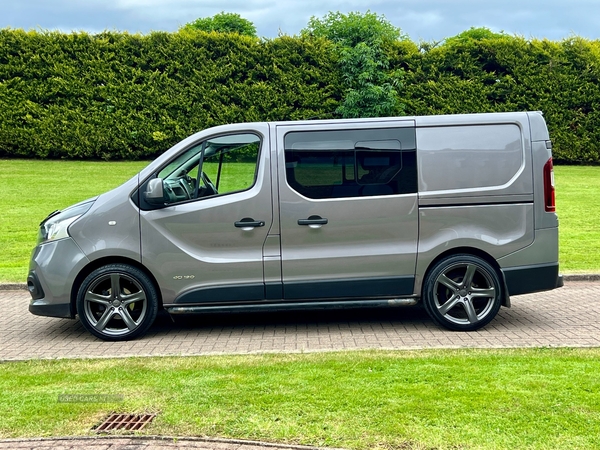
(361, 39)
(350, 29)
(223, 23)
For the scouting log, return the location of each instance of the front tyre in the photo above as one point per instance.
(117, 302)
(462, 293)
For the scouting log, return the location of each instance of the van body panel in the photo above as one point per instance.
(497, 230)
(195, 246)
(543, 250)
(114, 217)
(473, 119)
(272, 268)
(347, 288)
(541, 151)
(539, 130)
(364, 238)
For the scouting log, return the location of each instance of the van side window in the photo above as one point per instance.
(481, 156)
(351, 163)
(217, 166)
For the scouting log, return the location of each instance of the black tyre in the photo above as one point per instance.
(462, 293)
(117, 302)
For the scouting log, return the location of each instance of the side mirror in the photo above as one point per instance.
(155, 192)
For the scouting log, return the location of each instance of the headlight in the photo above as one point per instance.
(56, 225)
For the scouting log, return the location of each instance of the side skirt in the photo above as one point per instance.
(286, 306)
(394, 287)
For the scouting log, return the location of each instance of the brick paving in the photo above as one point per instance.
(566, 317)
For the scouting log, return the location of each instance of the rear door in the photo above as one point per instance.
(348, 209)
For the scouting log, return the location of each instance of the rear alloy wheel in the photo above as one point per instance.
(117, 302)
(462, 293)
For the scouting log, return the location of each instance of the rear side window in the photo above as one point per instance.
(469, 157)
(351, 163)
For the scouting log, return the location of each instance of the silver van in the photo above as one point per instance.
(456, 211)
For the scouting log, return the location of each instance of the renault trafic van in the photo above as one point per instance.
(455, 211)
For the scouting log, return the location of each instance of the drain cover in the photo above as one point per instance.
(131, 422)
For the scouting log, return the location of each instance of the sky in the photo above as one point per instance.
(421, 20)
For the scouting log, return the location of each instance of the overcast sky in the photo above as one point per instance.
(428, 20)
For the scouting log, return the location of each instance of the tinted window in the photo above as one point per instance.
(353, 163)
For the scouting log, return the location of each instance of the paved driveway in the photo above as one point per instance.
(566, 317)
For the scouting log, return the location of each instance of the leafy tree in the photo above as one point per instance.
(371, 90)
(223, 23)
(350, 29)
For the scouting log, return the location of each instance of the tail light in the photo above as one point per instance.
(549, 196)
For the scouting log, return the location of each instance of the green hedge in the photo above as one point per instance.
(122, 96)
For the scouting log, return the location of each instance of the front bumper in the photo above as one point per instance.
(53, 269)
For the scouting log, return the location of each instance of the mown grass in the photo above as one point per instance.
(578, 208)
(32, 189)
(492, 399)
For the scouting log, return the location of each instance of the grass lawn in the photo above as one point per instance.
(32, 189)
(578, 209)
(485, 399)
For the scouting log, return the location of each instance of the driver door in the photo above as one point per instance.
(204, 245)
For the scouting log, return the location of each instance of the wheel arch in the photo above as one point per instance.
(473, 252)
(93, 265)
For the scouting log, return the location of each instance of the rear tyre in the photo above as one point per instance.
(462, 293)
(117, 302)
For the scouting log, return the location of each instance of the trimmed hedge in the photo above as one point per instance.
(122, 96)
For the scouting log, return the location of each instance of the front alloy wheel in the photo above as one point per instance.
(462, 292)
(117, 302)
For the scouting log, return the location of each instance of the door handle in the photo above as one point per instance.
(248, 223)
(313, 221)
